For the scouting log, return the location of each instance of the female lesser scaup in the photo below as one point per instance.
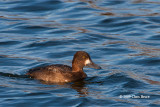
(64, 73)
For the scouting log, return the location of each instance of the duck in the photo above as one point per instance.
(59, 73)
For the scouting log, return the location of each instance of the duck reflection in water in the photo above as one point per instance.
(79, 86)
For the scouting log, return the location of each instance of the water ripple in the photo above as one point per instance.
(121, 36)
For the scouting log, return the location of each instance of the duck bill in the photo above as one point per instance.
(93, 65)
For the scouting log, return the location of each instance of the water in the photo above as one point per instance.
(122, 36)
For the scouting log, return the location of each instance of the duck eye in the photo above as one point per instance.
(84, 57)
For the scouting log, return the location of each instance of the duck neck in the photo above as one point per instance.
(77, 68)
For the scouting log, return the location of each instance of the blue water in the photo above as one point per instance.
(122, 36)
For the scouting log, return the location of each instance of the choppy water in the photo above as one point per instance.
(122, 36)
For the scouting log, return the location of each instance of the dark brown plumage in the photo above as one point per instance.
(64, 73)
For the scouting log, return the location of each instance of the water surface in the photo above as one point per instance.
(122, 36)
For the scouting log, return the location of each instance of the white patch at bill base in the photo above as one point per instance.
(87, 62)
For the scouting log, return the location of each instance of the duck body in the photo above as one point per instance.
(63, 73)
(56, 73)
